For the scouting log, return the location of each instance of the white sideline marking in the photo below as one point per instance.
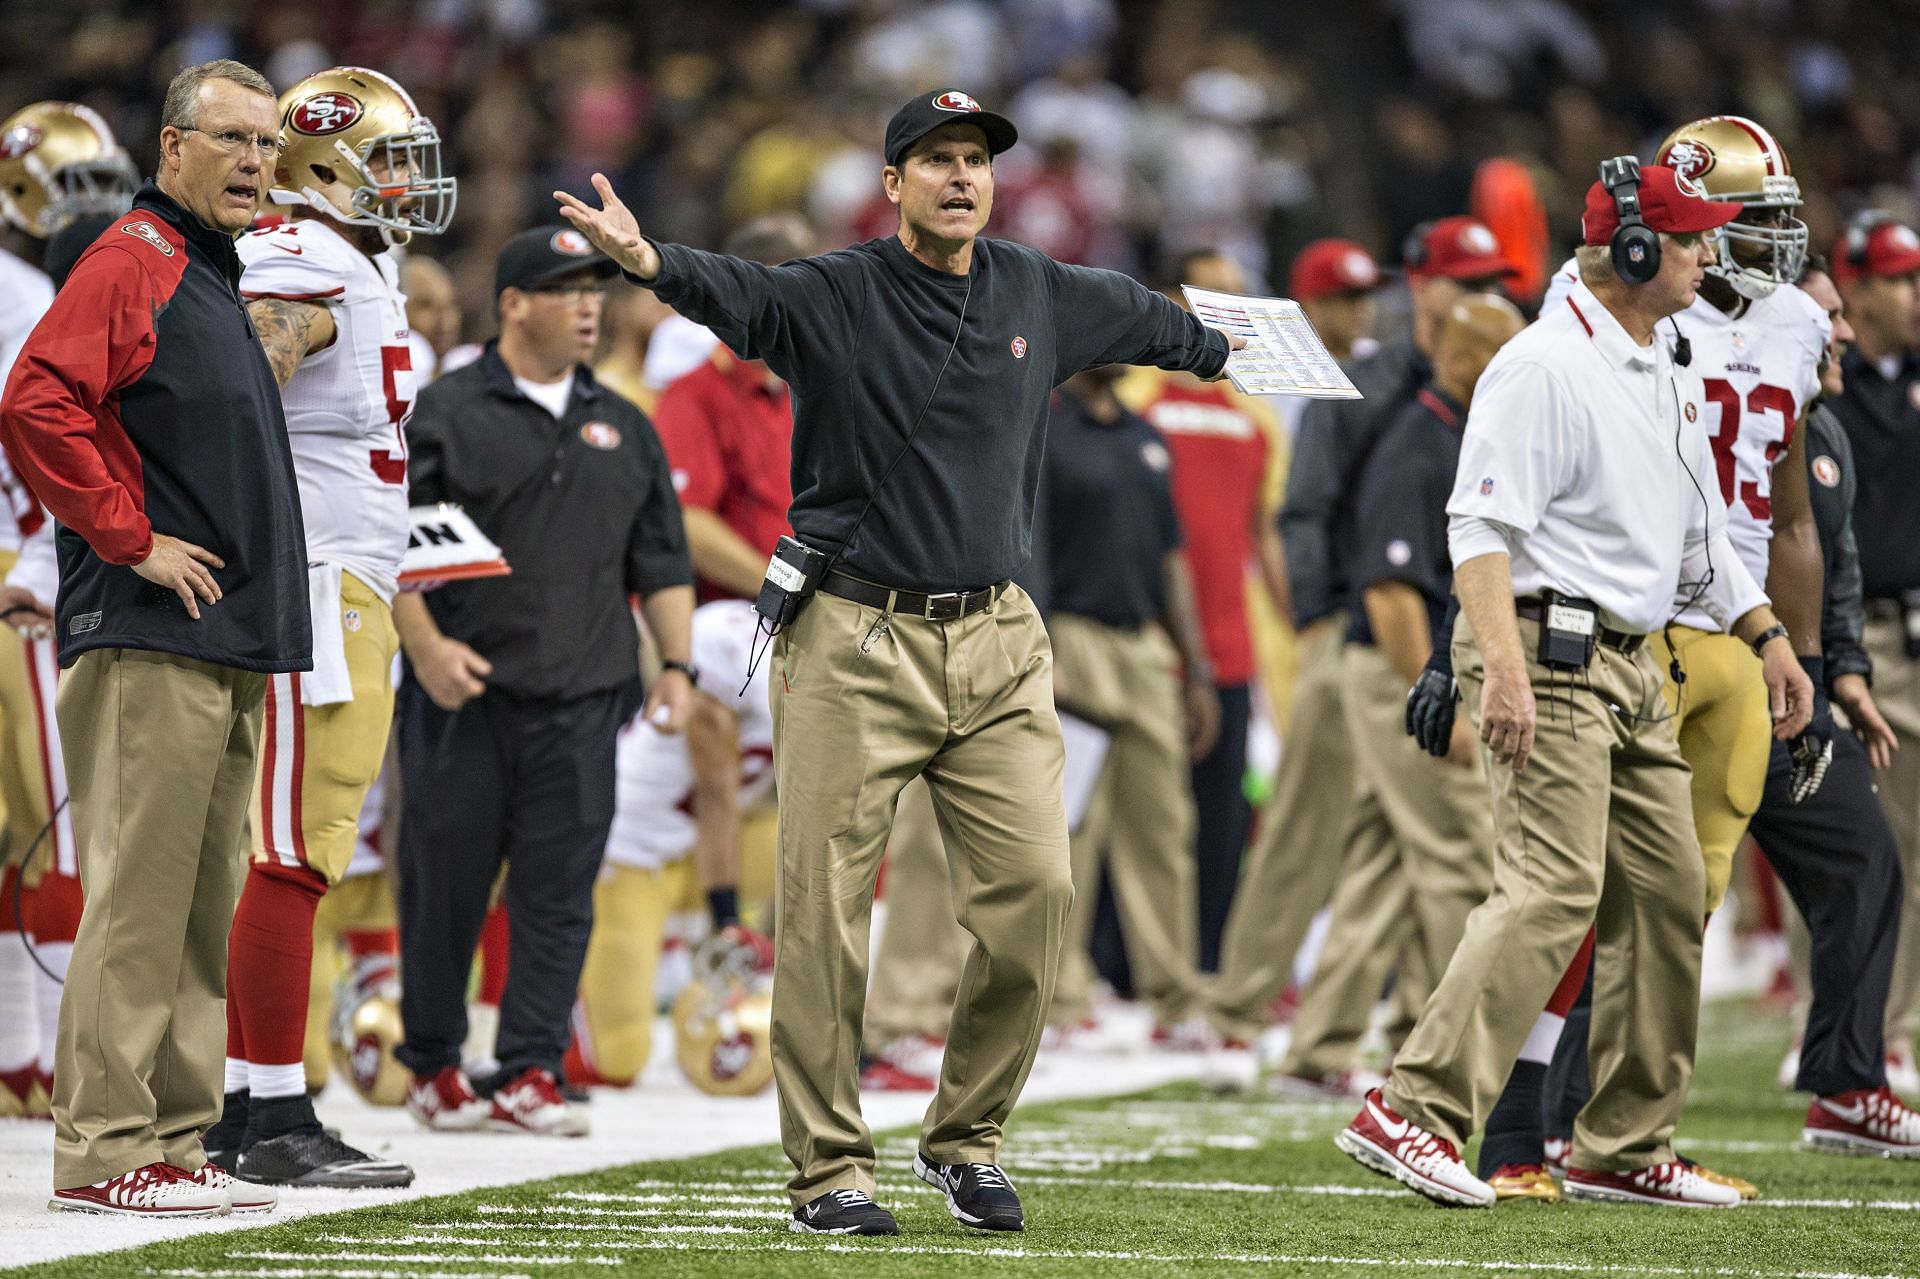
(189, 1273)
(417, 1258)
(562, 1211)
(597, 1196)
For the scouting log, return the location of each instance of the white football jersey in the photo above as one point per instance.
(1759, 373)
(346, 405)
(653, 819)
(25, 295)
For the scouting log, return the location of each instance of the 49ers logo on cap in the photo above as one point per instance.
(1475, 238)
(601, 435)
(325, 113)
(570, 242)
(954, 100)
(19, 140)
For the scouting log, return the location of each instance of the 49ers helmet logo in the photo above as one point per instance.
(1691, 158)
(325, 113)
(19, 140)
(954, 100)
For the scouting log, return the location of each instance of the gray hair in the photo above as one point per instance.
(1596, 264)
(183, 95)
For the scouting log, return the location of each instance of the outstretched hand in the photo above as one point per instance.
(612, 228)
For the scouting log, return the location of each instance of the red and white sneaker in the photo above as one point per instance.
(1674, 1184)
(1193, 1035)
(531, 1102)
(1863, 1122)
(884, 1076)
(242, 1196)
(1232, 1067)
(1425, 1163)
(156, 1190)
(446, 1102)
(917, 1055)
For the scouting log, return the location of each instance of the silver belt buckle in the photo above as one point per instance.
(948, 606)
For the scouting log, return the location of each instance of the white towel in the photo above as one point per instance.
(329, 681)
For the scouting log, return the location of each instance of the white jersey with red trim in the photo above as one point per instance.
(25, 295)
(346, 405)
(1760, 370)
(653, 822)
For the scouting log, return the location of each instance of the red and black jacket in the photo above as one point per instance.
(141, 403)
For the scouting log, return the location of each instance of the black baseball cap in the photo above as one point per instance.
(944, 106)
(546, 253)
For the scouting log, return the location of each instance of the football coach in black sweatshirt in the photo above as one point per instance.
(921, 366)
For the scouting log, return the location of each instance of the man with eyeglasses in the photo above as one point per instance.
(517, 686)
(144, 415)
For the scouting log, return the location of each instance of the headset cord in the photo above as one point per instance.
(19, 887)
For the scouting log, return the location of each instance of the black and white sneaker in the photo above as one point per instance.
(978, 1195)
(843, 1212)
(316, 1157)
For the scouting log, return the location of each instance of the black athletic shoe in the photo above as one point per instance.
(314, 1157)
(843, 1212)
(224, 1139)
(978, 1195)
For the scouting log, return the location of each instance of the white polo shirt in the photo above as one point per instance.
(1571, 463)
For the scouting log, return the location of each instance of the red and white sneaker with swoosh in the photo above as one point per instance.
(242, 1196)
(446, 1102)
(1868, 1121)
(1424, 1162)
(1676, 1184)
(155, 1190)
(531, 1102)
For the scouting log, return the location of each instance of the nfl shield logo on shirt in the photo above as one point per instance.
(351, 620)
(1486, 486)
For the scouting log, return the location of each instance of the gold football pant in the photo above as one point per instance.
(1725, 730)
(316, 762)
(863, 702)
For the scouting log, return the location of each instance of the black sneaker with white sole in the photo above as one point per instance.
(316, 1157)
(978, 1195)
(843, 1212)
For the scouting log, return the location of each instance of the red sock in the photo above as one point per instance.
(52, 908)
(269, 961)
(493, 956)
(1564, 995)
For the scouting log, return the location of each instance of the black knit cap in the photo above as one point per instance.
(929, 111)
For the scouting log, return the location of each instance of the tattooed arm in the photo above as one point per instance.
(289, 331)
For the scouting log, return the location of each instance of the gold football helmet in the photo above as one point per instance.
(354, 146)
(58, 160)
(723, 1019)
(366, 1030)
(1731, 158)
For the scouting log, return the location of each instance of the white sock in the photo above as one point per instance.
(236, 1080)
(56, 955)
(276, 1081)
(19, 1028)
(1542, 1039)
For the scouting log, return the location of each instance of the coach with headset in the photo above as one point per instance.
(921, 366)
(1580, 511)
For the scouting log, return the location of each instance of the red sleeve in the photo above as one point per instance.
(684, 422)
(61, 421)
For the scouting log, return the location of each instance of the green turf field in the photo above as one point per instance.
(1174, 1182)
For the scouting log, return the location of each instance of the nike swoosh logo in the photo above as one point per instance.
(1394, 1128)
(284, 249)
(1854, 1114)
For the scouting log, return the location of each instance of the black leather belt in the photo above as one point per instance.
(1531, 608)
(945, 606)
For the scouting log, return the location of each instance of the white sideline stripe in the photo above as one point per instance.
(563, 1211)
(188, 1273)
(738, 1183)
(595, 1196)
(417, 1258)
(766, 1244)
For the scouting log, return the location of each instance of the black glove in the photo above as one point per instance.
(1430, 703)
(1813, 749)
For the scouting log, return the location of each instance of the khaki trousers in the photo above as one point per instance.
(864, 702)
(1896, 687)
(1597, 831)
(161, 757)
(916, 968)
(1421, 861)
(1296, 858)
(1139, 823)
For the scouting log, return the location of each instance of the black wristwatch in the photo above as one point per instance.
(1766, 637)
(688, 669)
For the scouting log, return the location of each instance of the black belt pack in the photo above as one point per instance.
(1568, 627)
(793, 574)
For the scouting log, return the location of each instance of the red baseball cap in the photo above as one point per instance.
(1327, 268)
(1876, 245)
(1668, 202)
(1458, 248)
